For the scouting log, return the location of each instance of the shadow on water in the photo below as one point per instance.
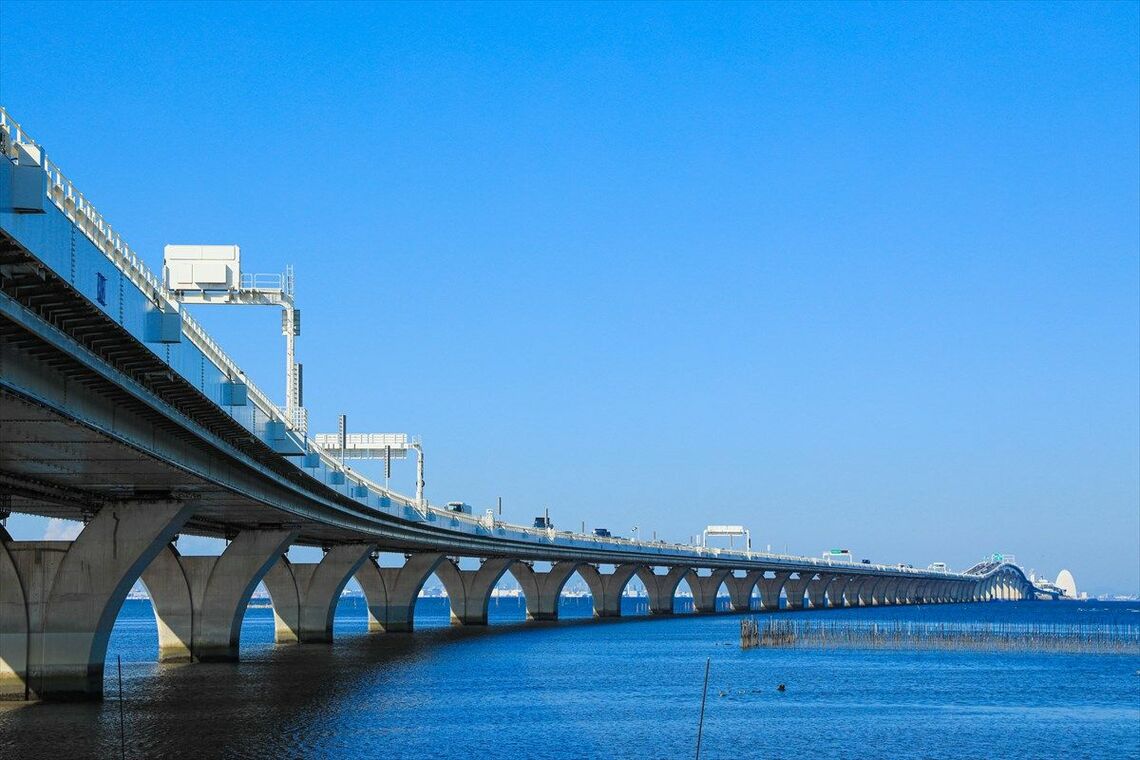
(301, 692)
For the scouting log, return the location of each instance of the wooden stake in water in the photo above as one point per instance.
(122, 728)
(704, 696)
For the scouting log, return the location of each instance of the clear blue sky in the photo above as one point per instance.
(852, 275)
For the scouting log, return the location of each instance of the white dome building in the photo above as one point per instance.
(1066, 583)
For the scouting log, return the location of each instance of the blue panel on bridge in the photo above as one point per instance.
(235, 393)
(29, 190)
(163, 326)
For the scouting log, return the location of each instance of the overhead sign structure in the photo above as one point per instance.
(730, 531)
(386, 446)
(211, 274)
(364, 445)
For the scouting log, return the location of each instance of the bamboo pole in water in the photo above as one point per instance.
(1028, 637)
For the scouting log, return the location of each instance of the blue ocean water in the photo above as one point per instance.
(629, 688)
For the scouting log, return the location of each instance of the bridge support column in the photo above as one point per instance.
(305, 594)
(905, 594)
(469, 591)
(865, 590)
(740, 590)
(886, 591)
(662, 589)
(13, 628)
(392, 591)
(705, 589)
(794, 589)
(542, 589)
(73, 591)
(836, 589)
(770, 590)
(199, 602)
(607, 588)
(816, 591)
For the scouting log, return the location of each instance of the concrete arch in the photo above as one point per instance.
(662, 588)
(795, 589)
(606, 588)
(305, 594)
(282, 587)
(864, 591)
(770, 588)
(75, 589)
(391, 592)
(199, 601)
(169, 590)
(13, 627)
(542, 590)
(469, 591)
(877, 586)
(740, 589)
(836, 589)
(706, 589)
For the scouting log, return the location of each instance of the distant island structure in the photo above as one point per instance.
(1067, 584)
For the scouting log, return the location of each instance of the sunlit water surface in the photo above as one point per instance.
(583, 689)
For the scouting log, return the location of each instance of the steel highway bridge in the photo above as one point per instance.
(117, 409)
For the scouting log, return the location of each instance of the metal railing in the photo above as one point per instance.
(263, 281)
(84, 215)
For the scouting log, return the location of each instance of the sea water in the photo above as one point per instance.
(578, 688)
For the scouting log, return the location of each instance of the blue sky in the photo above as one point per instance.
(852, 275)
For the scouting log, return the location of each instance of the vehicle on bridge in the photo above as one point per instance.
(459, 506)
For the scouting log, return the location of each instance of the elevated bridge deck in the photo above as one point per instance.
(118, 409)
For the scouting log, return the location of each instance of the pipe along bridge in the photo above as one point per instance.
(118, 410)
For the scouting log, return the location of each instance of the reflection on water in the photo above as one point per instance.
(580, 688)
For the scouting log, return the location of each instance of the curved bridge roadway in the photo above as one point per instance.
(118, 410)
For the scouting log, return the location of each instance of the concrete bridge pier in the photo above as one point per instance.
(607, 588)
(817, 590)
(794, 589)
(469, 591)
(770, 590)
(740, 589)
(59, 599)
(705, 589)
(305, 594)
(199, 602)
(886, 591)
(864, 590)
(869, 591)
(392, 591)
(662, 589)
(836, 590)
(542, 589)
